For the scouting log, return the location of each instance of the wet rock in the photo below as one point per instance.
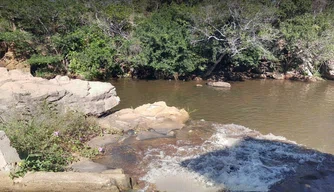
(23, 91)
(199, 85)
(278, 76)
(219, 84)
(8, 155)
(74, 181)
(113, 171)
(144, 135)
(102, 141)
(328, 70)
(157, 116)
(165, 127)
(290, 75)
(86, 165)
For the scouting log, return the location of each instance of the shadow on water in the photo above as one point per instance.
(252, 164)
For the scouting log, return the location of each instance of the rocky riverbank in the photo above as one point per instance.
(155, 146)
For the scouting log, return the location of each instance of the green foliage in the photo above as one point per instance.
(165, 43)
(309, 39)
(90, 52)
(44, 60)
(119, 12)
(47, 140)
(99, 39)
(288, 9)
(20, 41)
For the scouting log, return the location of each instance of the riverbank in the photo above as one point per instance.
(153, 139)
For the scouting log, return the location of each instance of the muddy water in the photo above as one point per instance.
(301, 112)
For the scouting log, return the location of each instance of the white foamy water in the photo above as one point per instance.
(234, 158)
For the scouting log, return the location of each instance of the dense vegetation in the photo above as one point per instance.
(167, 38)
(48, 140)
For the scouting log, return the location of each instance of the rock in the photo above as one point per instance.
(157, 116)
(9, 62)
(219, 84)
(328, 70)
(102, 141)
(113, 171)
(75, 181)
(6, 183)
(289, 75)
(278, 76)
(199, 85)
(8, 155)
(20, 90)
(144, 135)
(86, 165)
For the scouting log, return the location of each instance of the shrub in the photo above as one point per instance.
(48, 140)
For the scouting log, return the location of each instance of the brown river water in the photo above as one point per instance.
(250, 146)
(301, 112)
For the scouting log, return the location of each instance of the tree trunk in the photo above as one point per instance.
(214, 65)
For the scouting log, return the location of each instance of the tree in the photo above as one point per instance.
(309, 42)
(164, 40)
(241, 34)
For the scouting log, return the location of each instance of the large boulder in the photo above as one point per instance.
(20, 90)
(328, 70)
(157, 116)
(8, 155)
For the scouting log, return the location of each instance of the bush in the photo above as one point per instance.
(90, 52)
(48, 140)
(165, 43)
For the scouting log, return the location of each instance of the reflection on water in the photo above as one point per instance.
(303, 112)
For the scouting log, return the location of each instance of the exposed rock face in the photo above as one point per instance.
(20, 90)
(219, 84)
(8, 155)
(157, 116)
(11, 63)
(328, 70)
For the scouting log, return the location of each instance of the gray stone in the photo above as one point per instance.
(144, 135)
(219, 84)
(74, 181)
(21, 90)
(86, 165)
(113, 171)
(8, 155)
(102, 141)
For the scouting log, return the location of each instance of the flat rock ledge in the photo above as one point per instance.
(150, 119)
(113, 181)
(20, 90)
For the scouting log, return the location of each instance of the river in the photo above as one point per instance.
(301, 112)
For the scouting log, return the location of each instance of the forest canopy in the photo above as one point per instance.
(167, 38)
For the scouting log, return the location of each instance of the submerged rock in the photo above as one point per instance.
(157, 116)
(21, 90)
(219, 84)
